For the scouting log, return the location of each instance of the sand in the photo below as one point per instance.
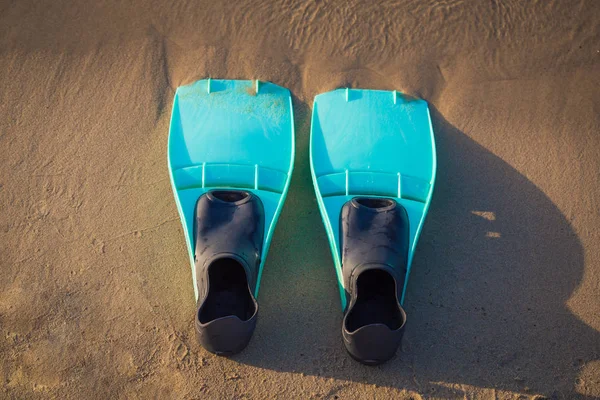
(96, 297)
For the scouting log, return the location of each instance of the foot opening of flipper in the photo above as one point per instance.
(374, 324)
(376, 302)
(227, 316)
(228, 292)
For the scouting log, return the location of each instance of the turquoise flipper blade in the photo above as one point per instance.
(231, 134)
(374, 143)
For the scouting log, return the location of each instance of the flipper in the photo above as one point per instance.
(231, 154)
(373, 163)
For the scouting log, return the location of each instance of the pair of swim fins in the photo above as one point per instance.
(231, 155)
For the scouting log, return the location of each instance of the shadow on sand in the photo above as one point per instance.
(495, 265)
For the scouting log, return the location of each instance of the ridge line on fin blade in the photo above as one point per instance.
(255, 176)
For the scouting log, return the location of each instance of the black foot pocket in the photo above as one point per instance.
(228, 233)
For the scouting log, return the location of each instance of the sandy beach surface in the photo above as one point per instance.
(96, 297)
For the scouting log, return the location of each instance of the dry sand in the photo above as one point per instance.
(96, 297)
